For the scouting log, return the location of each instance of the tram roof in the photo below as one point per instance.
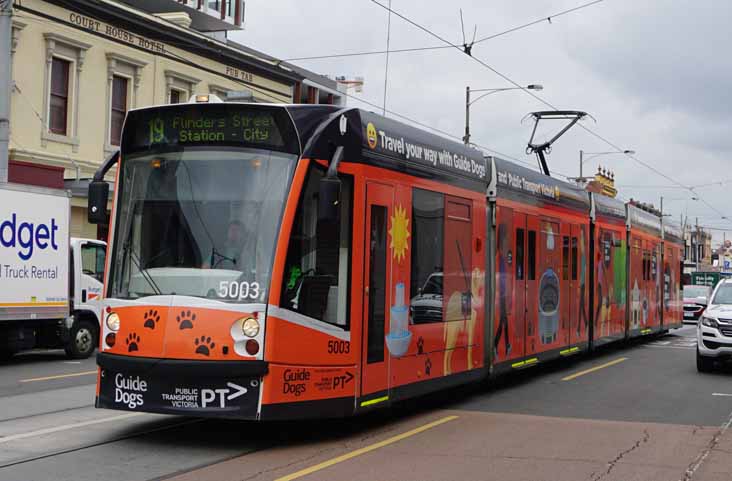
(526, 185)
(608, 207)
(377, 140)
(640, 219)
(672, 232)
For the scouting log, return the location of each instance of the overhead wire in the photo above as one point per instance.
(442, 47)
(546, 103)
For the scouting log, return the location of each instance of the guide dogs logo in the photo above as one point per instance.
(129, 390)
(371, 135)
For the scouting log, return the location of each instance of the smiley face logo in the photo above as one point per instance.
(371, 135)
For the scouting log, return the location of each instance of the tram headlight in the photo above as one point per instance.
(113, 322)
(250, 327)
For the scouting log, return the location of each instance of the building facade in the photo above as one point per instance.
(697, 249)
(78, 67)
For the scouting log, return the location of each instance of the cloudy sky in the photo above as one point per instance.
(654, 74)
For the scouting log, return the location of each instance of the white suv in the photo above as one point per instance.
(714, 331)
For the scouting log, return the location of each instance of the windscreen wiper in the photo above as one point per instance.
(145, 274)
(217, 257)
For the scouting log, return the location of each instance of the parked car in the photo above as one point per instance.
(714, 330)
(426, 306)
(696, 299)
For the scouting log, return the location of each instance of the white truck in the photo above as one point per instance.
(50, 283)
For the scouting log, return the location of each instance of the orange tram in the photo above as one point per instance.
(292, 261)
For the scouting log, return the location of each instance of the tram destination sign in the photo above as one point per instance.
(209, 124)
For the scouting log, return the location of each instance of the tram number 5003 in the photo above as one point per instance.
(339, 347)
(239, 290)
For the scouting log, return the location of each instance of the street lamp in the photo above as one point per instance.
(468, 102)
(592, 155)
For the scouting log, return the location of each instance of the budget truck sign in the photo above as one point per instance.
(34, 247)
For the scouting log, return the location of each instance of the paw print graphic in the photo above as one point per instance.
(151, 319)
(204, 345)
(185, 320)
(428, 366)
(132, 342)
(420, 345)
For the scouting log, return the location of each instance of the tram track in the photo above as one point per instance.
(99, 443)
(36, 415)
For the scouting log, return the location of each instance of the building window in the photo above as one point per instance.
(59, 97)
(124, 76)
(119, 108)
(219, 90)
(180, 86)
(63, 74)
(175, 96)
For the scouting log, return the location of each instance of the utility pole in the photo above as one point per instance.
(661, 209)
(466, 137)
(6, 27)
(582, 153)
(698, 240)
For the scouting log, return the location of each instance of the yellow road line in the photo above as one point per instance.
(593, 369)
(364, 450)
(59, 376)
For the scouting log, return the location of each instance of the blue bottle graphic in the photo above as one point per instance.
(399, 337)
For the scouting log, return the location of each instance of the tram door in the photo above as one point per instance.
(578, 276)
(519, 265)
(531, 330)
(377, 289)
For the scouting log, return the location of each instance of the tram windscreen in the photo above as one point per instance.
(199, 222)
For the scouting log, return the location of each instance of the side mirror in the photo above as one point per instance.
(97, 207)
(329, 200)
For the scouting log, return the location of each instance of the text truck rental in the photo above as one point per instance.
(50, 284)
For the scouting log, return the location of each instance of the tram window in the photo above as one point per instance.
(457, 303)
(565, 258)
(531, 268)
(428, 230)
(317, 269)
(519, 254)
(574, 258)
(378, 250)
(645, 265)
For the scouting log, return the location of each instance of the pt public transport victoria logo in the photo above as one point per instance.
(371, 135)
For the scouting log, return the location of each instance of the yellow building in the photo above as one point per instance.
(603, 183)
(78, 67)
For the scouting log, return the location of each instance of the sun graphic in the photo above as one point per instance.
(399, 233)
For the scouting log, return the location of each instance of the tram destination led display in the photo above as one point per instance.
(192, 125)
